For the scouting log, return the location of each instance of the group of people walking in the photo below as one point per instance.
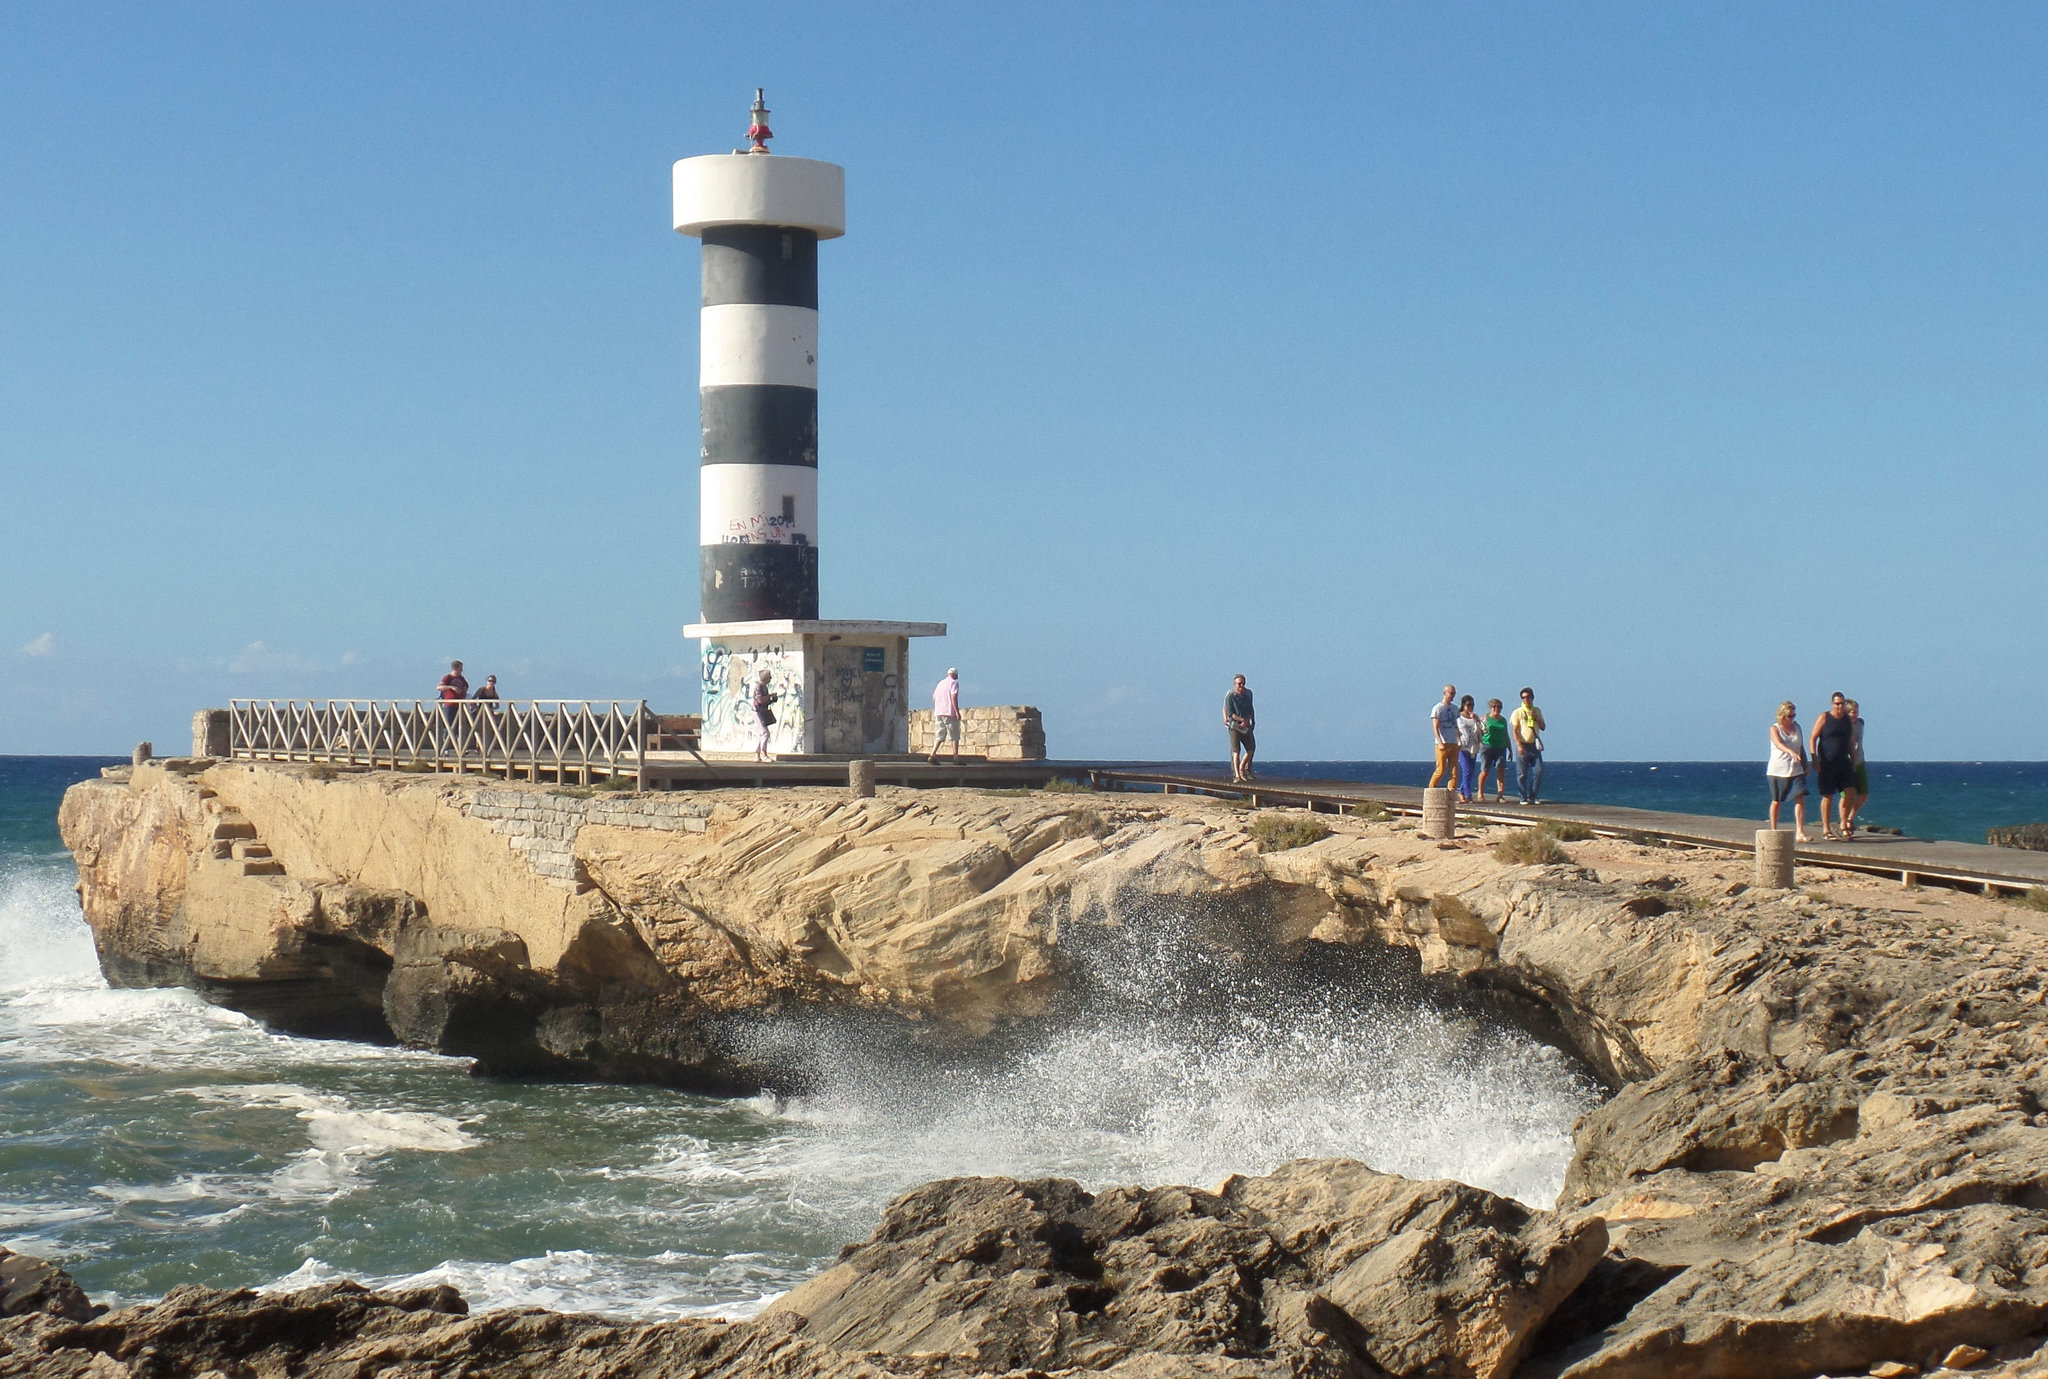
(1832, 753)
(1471, 748)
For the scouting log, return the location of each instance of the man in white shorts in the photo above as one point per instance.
(946, 715)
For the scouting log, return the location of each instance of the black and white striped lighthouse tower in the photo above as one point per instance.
(836, 686)
(760, 216)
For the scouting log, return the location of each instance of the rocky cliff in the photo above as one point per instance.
(1827, 1153)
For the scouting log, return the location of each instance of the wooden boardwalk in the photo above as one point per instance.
(1911, 860)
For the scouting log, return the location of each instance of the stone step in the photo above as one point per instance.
(222, 849)
(233, 826)
(252, 850)
(262, 867)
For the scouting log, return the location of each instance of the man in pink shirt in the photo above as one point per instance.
(946, 715)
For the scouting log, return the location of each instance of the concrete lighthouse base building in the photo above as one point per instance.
(837, 687)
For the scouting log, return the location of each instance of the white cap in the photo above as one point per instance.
(760, 189)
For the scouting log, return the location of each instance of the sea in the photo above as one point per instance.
(148, 1139)
(1953, 800)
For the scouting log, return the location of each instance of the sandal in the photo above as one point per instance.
(1831, 835)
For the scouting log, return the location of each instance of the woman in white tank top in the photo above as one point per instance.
(1786, 770)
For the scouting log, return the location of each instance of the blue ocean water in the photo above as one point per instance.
(1955, 800)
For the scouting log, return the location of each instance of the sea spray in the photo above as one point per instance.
(42, 934)
(1178, 1058)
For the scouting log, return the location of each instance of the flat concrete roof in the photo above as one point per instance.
(830, 627)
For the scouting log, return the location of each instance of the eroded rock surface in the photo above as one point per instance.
(1325, 1268)
(1827, 1151)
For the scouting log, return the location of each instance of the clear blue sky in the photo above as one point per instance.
(1676, 359)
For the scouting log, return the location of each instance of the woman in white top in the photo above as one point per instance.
(1787, 769)
(1468, 748)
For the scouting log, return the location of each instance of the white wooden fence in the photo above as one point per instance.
(562, 739)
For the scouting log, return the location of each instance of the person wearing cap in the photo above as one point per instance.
(946, 715)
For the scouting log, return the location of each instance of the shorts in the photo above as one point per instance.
(1242, 737)
(1493, 759)
(946, 727)
(1862, 779)
(1835, 776)
(1784, 788)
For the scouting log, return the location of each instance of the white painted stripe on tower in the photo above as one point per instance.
(744, 502)
(745, 343)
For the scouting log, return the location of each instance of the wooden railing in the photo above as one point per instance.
(562, 739)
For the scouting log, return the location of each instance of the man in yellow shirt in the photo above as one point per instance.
(1525, 727)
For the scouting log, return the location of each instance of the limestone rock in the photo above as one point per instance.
(1441, 1278)
(1326, 1264)
(1810, 1094)
(1913, 1286)
(30, 1285)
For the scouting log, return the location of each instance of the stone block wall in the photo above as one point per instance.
(542, 826)
(1000, 732)
(210, 733)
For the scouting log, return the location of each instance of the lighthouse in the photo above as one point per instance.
(837, 686)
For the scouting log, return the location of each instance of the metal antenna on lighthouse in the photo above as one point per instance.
(758, 132)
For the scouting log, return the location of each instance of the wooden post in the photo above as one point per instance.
(860, 779)
(1439, 813)
(1774, 859)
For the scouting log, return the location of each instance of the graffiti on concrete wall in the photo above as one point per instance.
(729, 678)
(764, 529)
(861, 699)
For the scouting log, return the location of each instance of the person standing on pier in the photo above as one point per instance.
(764, 716)
(1443, 727)
(453, 689)
(946, 715)
(1526, 728)
(1239, 718)
(1786, 770)
(1859, 771)
(489, 691)
(1468, 748)
(1834, 760)
(1493, 747)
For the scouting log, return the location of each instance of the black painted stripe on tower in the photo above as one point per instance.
(760, 265)
(759, 423)
(742, 583)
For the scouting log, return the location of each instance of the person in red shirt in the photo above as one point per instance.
(453, 689)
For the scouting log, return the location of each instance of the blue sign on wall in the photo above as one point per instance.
(871, 658)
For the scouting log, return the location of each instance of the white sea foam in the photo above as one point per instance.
(335, 1127)
(670, 1284)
